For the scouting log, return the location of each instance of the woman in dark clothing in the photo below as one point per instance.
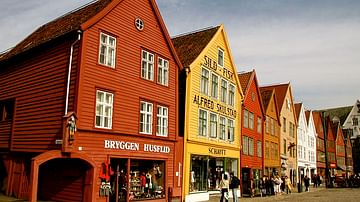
(307, 183)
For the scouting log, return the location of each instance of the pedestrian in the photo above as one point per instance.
(234, 185)
(288, 185)
(252, 188)
(307, 183)
(318, 180)
(224, 186)
(262, 186)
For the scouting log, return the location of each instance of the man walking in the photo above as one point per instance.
(234, 185)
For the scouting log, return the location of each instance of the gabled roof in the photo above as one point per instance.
(307, 116)
(195, 41)
(318, 124)
(79, 19)
(266, 95)
(280, 90)
(58, 27)
(339, 112)
(245, 78)
(298, 109)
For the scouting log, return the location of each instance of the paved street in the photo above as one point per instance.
(316, 195)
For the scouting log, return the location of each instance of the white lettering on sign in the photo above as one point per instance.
(111, 144)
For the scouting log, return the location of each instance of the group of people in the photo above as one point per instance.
(229, 183)
(275, 185)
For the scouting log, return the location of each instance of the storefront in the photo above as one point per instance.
(207, 166)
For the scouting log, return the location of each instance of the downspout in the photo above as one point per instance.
(69, 72)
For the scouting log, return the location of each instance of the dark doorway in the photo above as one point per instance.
(246, 180)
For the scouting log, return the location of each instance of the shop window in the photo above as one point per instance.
(104, 109)
(231, 130)
(222, 128)
(146, 110)
(214, 85)
(202, 122)
(162, 121)
(204, 82)
(147, 65)
(223, 90)
(198, 173)
(213, 125)
(107, 50)
(231, 95)
(6, 110)
(163, 71)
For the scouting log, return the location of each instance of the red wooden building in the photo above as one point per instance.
(90, 109)
(251, 132)
(340, 149)
(330, 146)
(320, 144)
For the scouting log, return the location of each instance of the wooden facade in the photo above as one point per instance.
(37, 142)
(330, 146)
(320, 144)
(340, 149)
(252, 132)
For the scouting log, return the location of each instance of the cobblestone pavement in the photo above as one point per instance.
(315, 195)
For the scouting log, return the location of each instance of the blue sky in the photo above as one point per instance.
(314, 44)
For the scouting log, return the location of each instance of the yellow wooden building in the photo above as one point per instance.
(211, 98)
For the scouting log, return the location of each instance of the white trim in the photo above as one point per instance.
(104, 105)
(146, 121)
(107, 45)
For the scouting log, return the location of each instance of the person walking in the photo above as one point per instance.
(307, 183)
(234, 185)
(288, 185)
(224, 186)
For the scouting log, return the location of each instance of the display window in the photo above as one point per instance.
(206, 172)
(144, 180)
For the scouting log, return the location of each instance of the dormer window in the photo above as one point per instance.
(107, 50)
(220, 57)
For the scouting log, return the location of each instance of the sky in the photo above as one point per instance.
(313, 44)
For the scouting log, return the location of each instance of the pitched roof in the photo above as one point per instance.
(244, 79)
(318, 124)
(58, 27)
(307, 116)
(298, 109)
(189, 46)
(266, 96)
(280, 90)
(340, 112)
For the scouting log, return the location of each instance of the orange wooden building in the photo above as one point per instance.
(252, 132)
(91, 108)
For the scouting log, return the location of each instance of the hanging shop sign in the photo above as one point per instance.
(134, 146)
(209, 104)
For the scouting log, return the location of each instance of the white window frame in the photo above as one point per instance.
(163, 71)
(162, 121)
(104, 105)
(231, 130)
(259, 148)
(223, 90)
(147, 117)
(222, 129)
(147, 65)
(231, 95)
(203, 121)
(107, 50)
(214, 92)
(221, 52)
(259, 125)
(204, 81)
(251, 146)
(246, 118)
(251, 120)
(245, 144)
(213, 125)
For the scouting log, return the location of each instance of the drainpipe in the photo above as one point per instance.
(69, 72)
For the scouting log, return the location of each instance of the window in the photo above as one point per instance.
(146, 111)
(285, 146)
(162, 121)
(246, 118)
(213, 125)
(231, 130)
(220, 57)
(107, 50)
(223, 90)
(251, 120)
(276, 150)
(251, 146)
(231, 95)
(104, 108)
(259, 124)
(284, 124)
(163, 71)
(259, 149)
(222, 128)
(202, 122)
(214, 85)
(147, 65)
(267, 124)
(355, 121)
(267, 149)
(245, 145)
(6, 110)
(139, 24)
(204, 83)
(272, 127)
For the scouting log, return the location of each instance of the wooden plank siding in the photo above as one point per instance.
(38, 82)
(5, 132)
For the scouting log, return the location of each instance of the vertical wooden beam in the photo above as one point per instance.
(33, 185)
